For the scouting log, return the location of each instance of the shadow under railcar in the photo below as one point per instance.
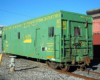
(96, 52)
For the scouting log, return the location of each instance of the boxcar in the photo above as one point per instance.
(61, 38)
(95, 13)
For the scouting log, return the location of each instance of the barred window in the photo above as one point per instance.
(77, 31)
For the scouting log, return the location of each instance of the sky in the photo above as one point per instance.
(15, 11)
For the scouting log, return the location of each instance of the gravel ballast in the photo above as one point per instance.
(27, 69)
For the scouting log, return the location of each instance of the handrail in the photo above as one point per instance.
(54, 46)
(86, 24)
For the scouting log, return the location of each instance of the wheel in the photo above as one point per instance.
(53, 65)
(48, 63)
(66, 68)
(82, 68)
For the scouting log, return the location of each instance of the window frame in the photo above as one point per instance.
(18, 35)
(4, 36)
(51, 31)
(78, 31)
(42, 48)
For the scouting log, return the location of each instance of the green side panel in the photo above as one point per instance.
(57, 46)
(34, 38)
(77, 39)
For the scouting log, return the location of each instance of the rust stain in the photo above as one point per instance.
(87, 60)
(72, 74)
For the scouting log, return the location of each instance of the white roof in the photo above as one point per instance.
(2, 26)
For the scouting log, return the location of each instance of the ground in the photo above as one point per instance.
(27, 69)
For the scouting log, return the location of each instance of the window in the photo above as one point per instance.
(51, 31)
(18, 35)
(43, 48)
(5, 37)
(77, 31)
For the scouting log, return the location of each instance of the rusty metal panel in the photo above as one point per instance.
(96, 39)
(96, 26)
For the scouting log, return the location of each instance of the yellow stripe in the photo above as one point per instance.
(50, 43)
(4, 50)
(50, 56)
(27, 41)
(32, 54)
(50, 51)
(6, 45)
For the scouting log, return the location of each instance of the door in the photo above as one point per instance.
(79, 39)
(37, 42)
(56, 46)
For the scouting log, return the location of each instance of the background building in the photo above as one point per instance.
(95, 13)
(1, 26)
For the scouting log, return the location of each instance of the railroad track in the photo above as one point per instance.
(93, 72)
(77, 75)
(97, 73)
(89, 71)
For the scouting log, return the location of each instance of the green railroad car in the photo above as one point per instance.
(61, 38)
